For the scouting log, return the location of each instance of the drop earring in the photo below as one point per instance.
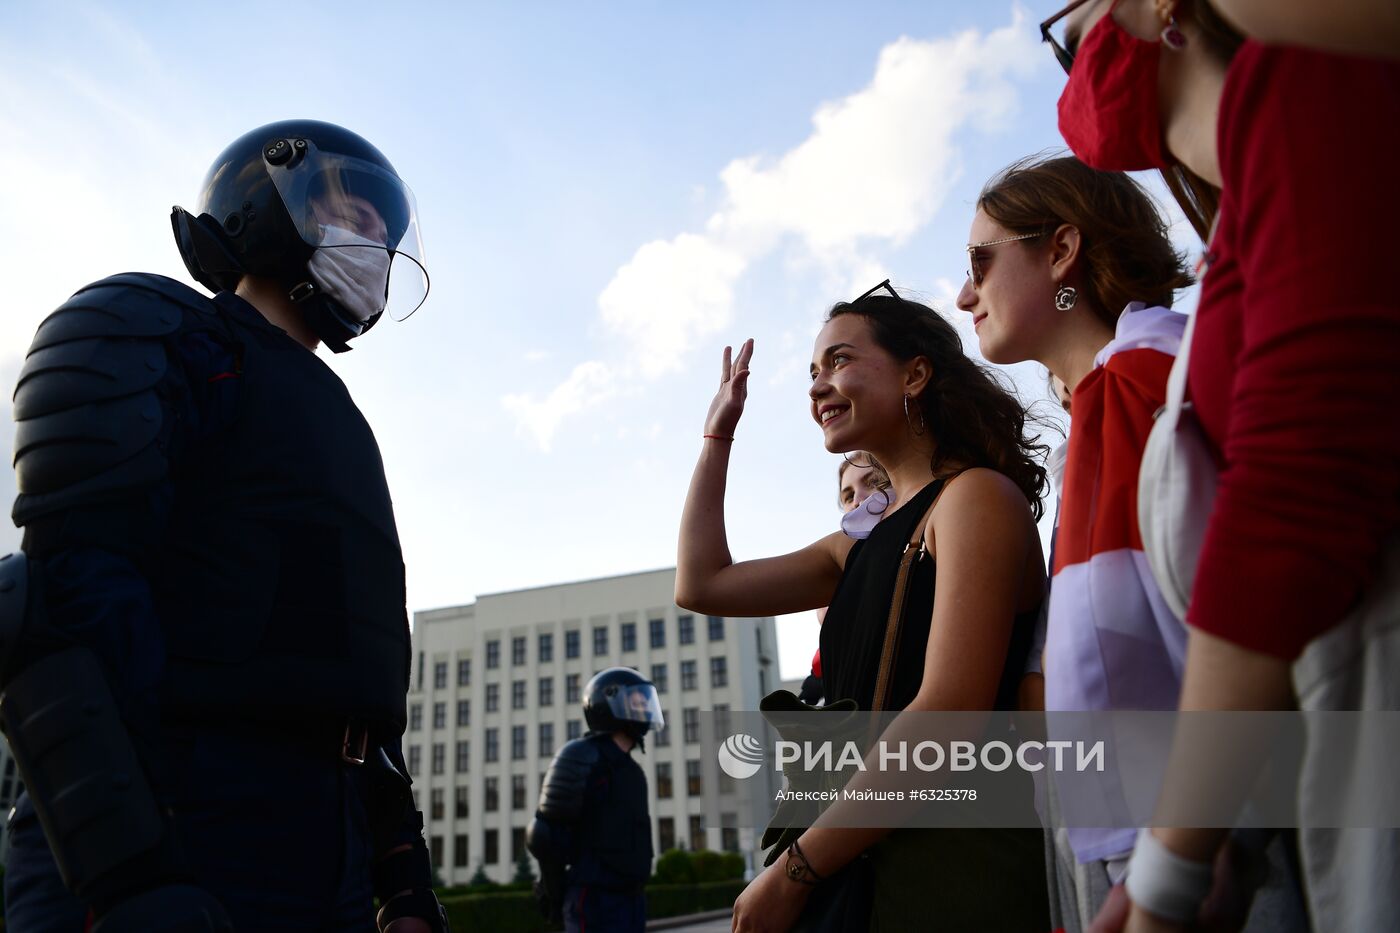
(1065, 297)
(1172, 36)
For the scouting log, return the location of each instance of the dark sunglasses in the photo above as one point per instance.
(885, 285)
(1062, 55)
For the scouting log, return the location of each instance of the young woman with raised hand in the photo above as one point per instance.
(889, 377)
(1294, 368)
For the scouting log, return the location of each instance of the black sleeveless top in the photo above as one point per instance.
(854, 630)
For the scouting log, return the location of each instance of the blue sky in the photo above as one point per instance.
(609, 193)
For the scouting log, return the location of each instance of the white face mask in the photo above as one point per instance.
(352, 270)
(861, 520)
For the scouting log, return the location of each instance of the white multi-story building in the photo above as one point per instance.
(496, 689)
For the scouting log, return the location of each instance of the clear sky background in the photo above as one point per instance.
(609, 193)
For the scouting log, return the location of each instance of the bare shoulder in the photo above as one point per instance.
(978, 501)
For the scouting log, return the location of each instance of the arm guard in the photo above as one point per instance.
(561, 797)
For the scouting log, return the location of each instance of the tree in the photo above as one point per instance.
(524, 869)
(480, 879)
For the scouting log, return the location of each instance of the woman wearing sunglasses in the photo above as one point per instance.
(1294, 368)
(1073, 268)
(889, 377)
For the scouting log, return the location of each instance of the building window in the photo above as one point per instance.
(571, 641)
(629, 636)
(415, 759)
(517, 651)
(459, 852)
(436, 807)
(517, 694)
(690, 717)
(493, 697)
(716, 628)
(657, 629)
(573, 729)
(517, 792)
(439, 715)
(421, 662)
(546, 739)
(571, 688)
(600, 639)
(663, 780)
(665, 834)
(546, 691)
(492, 850)
(687, 675)
(721, 712)
(663, 738)
(686, 627)
(493, 745)
(729, 832)
(464, 712)
(517, 843)
(546, 650)
(693, 785)
(462, 808)
(517, 742)
(415, 717)
(697, 833)
(464, 672)
(493, 654)
(719, 672)
(658, 677)
(439, 758)
(439, 675)
(464, 755)
(435, 850)
(491, 795)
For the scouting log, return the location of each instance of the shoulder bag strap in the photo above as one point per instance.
(913, 551)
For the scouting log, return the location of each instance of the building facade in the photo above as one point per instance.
(496, 689)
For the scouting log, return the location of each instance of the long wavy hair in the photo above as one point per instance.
(973, 417)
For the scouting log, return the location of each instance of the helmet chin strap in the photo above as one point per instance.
(325, 316)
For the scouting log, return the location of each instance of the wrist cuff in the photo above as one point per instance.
(1165, 884)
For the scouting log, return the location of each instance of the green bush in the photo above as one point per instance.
(517, 911)
(673, 900)
(674, 867)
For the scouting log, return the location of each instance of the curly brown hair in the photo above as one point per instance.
(972, 415)
(1126, 253)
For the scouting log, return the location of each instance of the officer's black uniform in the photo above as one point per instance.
(592, 832)
(205, 672)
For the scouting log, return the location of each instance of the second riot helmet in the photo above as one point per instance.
(621, 700)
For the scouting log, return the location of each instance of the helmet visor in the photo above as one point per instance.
(638, 703)
(323, 190)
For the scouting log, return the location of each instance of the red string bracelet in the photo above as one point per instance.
(719, 437)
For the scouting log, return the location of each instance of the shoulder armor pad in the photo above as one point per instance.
(86, 411)
(561, 797)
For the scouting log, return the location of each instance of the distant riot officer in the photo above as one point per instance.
(591, 832)
(204, 649)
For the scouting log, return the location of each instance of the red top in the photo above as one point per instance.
(1295, 363)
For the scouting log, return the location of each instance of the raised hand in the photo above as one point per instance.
(728, 403)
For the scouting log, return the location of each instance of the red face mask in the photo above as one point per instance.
(1108, 111)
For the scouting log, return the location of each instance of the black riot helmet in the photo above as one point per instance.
(317, 209)
(621, 700)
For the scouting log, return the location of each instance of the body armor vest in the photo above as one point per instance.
(281, 590)
(614, 836)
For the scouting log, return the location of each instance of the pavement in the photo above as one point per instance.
(715, 921)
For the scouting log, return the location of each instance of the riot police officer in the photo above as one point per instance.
(591, 832)
(204, 648)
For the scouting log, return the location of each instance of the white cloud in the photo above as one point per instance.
(590, 383)
(874, 171)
